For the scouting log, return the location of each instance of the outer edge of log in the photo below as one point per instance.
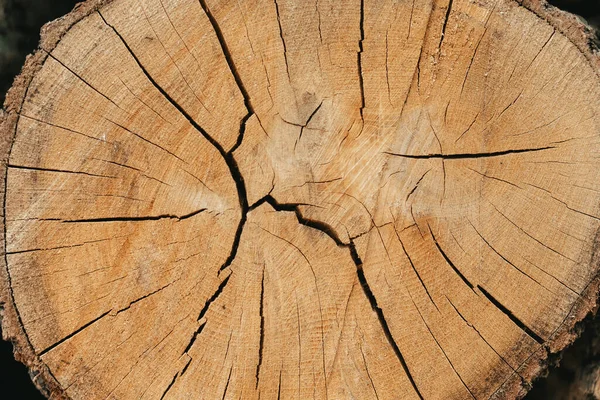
(10, 320)
(580, 34)
(570, 25)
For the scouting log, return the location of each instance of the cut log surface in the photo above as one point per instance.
(214, 199)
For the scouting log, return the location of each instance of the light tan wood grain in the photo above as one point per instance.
(285, 199)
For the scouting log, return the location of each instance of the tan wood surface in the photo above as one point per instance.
(288, 199)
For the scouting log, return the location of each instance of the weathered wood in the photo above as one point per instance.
(577, 373)
(285, 199)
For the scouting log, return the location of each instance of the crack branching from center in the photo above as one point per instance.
(226, 155)
(232, 165)
(330, 231)
(234, 72)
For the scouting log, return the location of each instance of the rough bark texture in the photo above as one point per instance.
(578, 376)
(370, 200)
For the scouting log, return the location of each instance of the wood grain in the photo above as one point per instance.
(284, 199)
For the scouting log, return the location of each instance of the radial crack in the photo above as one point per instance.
(175, 377)
(368, 373)
(207, 304)
(329, 231)
(442, 350)
(133, 219)
(84, 81)
(234, 72)
(306, 123)
(287, 68)
(512, 316)
(448, 261)
(227, 384)
(415, 270)
(262, 326)
(472, 326)
(227, 156)
(144, 297)
(416, 186)
(61, 247)
(62, 171)
(446, 18)
(359, 60)
(382, 321)
(169, 386)
(74, 333)
(21, 115)
(459, 156)
(213, 297)
(506, 260)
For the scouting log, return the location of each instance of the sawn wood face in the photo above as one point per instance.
(287, 199)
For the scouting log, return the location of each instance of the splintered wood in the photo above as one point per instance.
(361, 199)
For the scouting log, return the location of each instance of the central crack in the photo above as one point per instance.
(226, 155)
(237, 177)
(330, 231)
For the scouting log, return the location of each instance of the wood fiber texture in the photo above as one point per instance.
(287, 199)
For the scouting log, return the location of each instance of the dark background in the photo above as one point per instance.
(20, 23)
